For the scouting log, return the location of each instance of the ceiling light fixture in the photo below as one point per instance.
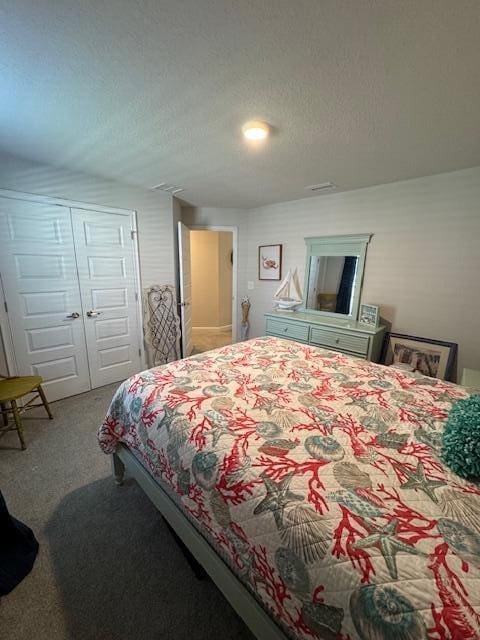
(255, 130)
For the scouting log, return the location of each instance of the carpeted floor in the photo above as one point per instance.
(108, 567)
(206, 340)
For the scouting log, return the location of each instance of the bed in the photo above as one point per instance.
(309, 485)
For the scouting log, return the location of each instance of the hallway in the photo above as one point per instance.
(205, 340)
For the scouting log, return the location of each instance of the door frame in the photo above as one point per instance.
(234, 231)
(8, 345)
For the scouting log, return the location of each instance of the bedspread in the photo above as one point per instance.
(318, 477)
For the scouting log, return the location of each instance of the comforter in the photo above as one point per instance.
(317, 477)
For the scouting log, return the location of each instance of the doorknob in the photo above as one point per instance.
(74, 315)
(92, 314)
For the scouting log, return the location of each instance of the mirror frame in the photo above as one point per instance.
(354, 245)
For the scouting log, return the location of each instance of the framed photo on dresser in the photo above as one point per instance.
(369, 315)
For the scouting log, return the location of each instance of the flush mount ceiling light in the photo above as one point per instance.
(255, 130)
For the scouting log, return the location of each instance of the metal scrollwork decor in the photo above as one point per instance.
(162, 325)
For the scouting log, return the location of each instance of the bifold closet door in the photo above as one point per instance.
(40, 283)
(106, 269)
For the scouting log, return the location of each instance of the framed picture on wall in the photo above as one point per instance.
(270, 262)
(433, 358)
(370, 315)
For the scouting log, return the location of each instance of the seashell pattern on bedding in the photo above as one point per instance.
(317, 477)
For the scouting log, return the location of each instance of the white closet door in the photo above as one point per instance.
(106, 270)
(39, 277)
(185, 288)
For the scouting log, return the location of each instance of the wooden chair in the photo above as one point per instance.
(15, 387)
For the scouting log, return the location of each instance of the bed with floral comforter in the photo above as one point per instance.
(317, 477)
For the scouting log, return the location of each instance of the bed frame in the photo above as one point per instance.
(244, 603)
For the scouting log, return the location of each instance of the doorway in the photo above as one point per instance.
(211, 259)
(208, 283)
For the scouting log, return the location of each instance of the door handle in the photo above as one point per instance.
(92, 314)
(182, 304)
(73, 316)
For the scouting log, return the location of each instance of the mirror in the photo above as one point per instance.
(333, 275)
(331, 283)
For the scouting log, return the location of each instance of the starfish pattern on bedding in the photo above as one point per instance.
(359, 402)
(168, 417)
(278, 496)
(418, 480)
(385, 538)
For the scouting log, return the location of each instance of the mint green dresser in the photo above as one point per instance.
(347, 336)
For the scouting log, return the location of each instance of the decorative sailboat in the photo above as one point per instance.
(288, 296)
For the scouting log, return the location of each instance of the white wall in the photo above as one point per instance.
(423, 262)
(154, 209)
(155, 218)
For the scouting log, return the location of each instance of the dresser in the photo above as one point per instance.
(349, 337)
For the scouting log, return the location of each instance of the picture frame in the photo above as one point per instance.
(270, 262)
(369, 315)
(433, 358)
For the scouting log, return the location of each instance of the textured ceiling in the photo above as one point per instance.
(359, 92)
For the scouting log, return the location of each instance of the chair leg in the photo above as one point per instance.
(18, 424)
(41, 393)
(3, 407)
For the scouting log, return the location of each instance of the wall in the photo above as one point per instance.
(211, 278)
(423, 262)
(154, 209)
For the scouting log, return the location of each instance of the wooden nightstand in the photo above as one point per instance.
(471, 380)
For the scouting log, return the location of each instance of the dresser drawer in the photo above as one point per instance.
(340, 341)
(285, 329)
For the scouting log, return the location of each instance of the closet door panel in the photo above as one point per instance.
(39, 278)
(106, 268)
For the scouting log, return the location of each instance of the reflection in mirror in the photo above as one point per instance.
(331, 283)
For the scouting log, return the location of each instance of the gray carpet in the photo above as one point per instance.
(108, 566)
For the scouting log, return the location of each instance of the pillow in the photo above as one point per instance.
(461, 438)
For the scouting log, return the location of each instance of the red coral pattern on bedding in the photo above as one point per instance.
(318, 477)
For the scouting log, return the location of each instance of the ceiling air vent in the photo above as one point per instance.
(323, 187)
(169, 188)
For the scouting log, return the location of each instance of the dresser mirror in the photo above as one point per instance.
(334, 274)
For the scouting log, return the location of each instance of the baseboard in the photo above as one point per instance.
(225, 327)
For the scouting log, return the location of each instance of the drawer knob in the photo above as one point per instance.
(286, 329)
(337, 340)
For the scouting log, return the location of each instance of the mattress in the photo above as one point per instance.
(318, 477)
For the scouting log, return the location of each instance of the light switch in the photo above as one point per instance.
(250, 285)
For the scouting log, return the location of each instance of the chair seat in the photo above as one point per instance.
(13, 388)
